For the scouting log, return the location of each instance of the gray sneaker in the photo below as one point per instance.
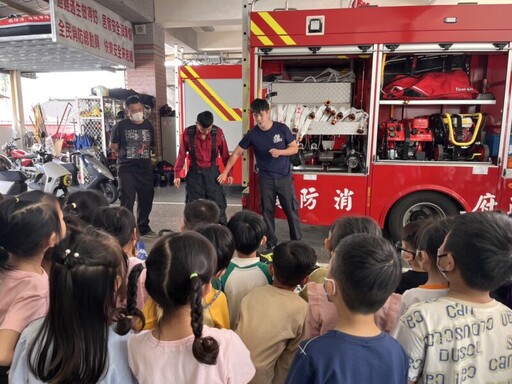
(150, 234)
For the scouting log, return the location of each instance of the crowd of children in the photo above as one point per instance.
(77, 304)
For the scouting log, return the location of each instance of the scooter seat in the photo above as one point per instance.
(14, 176)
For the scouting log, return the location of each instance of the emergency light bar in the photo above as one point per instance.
(318, 51)
(446, 47)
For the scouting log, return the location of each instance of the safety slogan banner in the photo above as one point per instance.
(90, 27)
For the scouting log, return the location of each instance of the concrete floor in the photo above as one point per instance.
(168, 207)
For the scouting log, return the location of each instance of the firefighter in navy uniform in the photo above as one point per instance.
(202, 175)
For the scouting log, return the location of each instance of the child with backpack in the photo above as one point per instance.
(271, 322)
(215, 303)
(245, 271)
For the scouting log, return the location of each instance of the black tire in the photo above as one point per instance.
(418, 206)
(109, 190)
(485, 153)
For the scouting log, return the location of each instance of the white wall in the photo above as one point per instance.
(136, 11)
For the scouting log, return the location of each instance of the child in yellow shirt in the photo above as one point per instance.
(215, 304)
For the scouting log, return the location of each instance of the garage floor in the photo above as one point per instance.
(168, 207)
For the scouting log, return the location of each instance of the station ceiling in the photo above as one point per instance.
(200, 27)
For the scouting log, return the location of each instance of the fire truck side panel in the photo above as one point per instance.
(465, 185)
(392, 25)
(323, 198)
(505, 192)
(217, 88)
(414, 158)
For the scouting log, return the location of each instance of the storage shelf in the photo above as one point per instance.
(437, 102)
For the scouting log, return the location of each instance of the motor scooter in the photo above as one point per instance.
(42, 173)
(12, 182)
(51, 178)
(88, 173)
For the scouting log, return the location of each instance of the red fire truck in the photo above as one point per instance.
(401, 113)
(217, 88)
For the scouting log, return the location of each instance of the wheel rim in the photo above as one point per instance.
(108, 191)
(421, 211)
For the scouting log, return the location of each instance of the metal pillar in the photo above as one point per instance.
(18, 115)
(177, 106)
(246, 83)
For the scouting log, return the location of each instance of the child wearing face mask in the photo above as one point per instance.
(132, 139)
(363, 272)
(407, 248)
(465, 334)
(430, 239)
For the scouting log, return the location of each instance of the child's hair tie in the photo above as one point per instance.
(129, 317)
(67, 252)
(73, 205)
(194, 274)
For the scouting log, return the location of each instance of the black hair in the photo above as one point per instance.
(72, 343)
(431, 237)
(367, 270)
(39, 197)
(200, 211)
(259, 105)
(248, 229)
(83, 204)
(223, 242)
(349, 225)
(481, 244)
(293, 261)
(26, 224)
(133, 317)
(205, 119)
(411, 230)
(132, 100)
(117, 221)
(178, 266)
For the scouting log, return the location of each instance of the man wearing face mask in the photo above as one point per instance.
(204, 142)
(132, 139)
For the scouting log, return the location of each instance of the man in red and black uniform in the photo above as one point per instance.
(202, 176)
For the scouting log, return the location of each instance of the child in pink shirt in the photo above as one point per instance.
(29, 225)
(321, 316)
(79, 340)
(180, 349)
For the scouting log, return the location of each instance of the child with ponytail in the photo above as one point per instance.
(79, 340)
(179, 269)
(120, 223)
(29, 225)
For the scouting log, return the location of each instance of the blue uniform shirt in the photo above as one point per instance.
(338, 357)
(278, 136)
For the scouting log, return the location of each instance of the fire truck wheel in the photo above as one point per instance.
(419, 206)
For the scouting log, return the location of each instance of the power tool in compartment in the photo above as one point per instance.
(457, 137)
(407, 139)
